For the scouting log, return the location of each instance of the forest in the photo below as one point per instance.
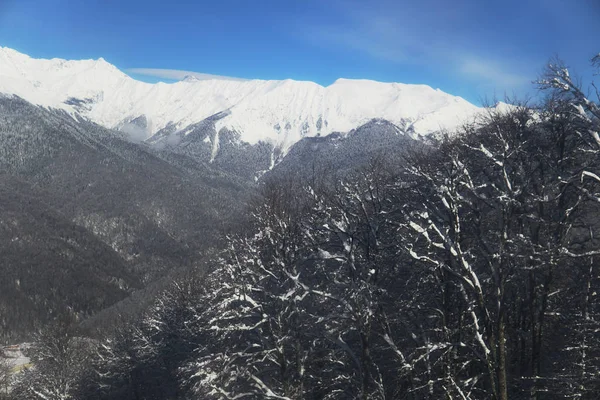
(466, 269)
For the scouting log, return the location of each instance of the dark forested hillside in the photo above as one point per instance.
(223, 149)
(50, 265)
(88, 216)
(341, 153)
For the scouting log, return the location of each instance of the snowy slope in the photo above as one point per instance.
(280, 112)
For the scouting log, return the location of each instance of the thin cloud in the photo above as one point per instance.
(401, 36)
(482, 69)
(176, 74)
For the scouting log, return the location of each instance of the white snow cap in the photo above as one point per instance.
(281, 112)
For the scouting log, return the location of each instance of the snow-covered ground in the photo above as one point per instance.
(281, 112)
(15, 357)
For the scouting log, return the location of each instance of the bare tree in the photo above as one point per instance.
(59, 357)
(477, 218)
(577, 114)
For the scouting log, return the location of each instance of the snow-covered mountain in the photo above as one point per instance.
(277, 112)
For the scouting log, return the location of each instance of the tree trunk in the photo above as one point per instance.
(502, 379)
(365, 366)
(534, 361)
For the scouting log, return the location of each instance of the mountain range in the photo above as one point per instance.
(109, 185)
(276, 112)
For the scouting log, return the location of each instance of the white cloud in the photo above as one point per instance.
(134, 133)
(176, 74)
(488, 70)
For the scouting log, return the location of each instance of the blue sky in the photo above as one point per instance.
(472, 48)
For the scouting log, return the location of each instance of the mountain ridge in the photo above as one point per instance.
(278, 112)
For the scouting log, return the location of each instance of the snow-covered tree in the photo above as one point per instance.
(295, 310)
(59, 360)
(143, 360)
(354, 257)
(476, 213)
(256, 320)
(576, 114)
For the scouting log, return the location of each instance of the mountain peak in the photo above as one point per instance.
(190, 78)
